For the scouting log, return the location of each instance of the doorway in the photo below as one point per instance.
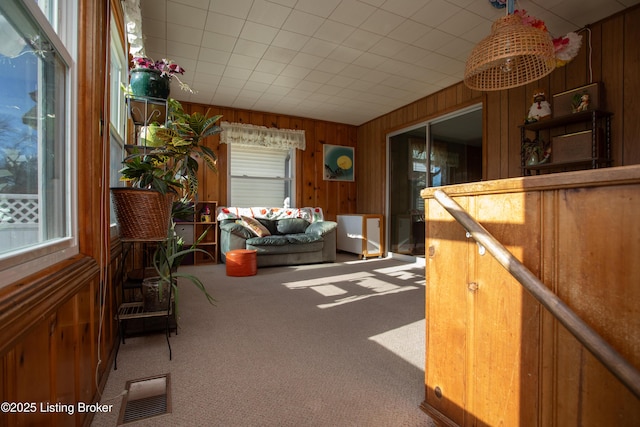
(443, 151)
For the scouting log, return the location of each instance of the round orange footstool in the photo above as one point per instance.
(242, 262)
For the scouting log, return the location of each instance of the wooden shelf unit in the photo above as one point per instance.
(190, 231)
(594, 153)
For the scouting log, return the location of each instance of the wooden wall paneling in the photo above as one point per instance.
(312, 189)
(509, 370)
(519, 104)
(503, 140)
(446, 306)
(613, 82)
(605, 300)
(64, 356)
(33, 360)
(492, 119)
(631, 133)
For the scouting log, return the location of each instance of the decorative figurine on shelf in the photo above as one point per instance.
(205, 214)
(581, 102)
(540, 108)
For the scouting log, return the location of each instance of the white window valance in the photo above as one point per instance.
(261, 136)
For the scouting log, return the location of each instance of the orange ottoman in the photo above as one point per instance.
(242, 262)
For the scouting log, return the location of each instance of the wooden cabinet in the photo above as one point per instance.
(361, 234)
(575, 141)
(192, 230)
(494, 355)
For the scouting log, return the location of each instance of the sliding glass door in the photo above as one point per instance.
(444, 151)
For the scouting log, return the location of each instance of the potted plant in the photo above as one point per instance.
(151, 78)
(162, 170)
(157, 291)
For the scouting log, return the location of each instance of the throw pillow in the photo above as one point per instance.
(292, 225)
(255, 226)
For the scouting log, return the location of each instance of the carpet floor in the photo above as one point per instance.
(337, 344)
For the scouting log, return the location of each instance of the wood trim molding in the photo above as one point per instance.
(25, 304)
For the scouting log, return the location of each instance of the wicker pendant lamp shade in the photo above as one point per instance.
(514, 54)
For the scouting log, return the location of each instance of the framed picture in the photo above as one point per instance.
(338, 163)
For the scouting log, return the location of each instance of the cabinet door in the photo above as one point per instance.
(447, 297)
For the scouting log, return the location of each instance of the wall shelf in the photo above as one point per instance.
(588, 147)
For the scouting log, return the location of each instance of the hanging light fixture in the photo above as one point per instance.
(514, 54)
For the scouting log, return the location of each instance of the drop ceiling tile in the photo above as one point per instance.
(386, 47)
(262, 77)
(185, 35)
(155, 28)
(409, 54)
(290, 40)
(322, 8)
(308, 86)
(204, 68)
(286, 81)
(279, 54)
(382, 22)
(189, 51)
(352, 12)
(218, 41)
(319, 47)
(318, 76)
(436, 12)
(223, 24)
(362, 40)
(288, 3)
(277, 90)
(229, 85)
(331, 89)
(459, 23)
(331, 66)
(237, 8)
(306, 60)
(341, 81)
(369, 60)
(235, 74)
(457, 48)
(185, 16)
(333, 31)
(154, 9)
(268, 13)
(375, 76)
(295, 71)
(345, 54)
(258, 32)
(355, 71)
(302, 23)
(268, 66)
(200, 4)
(409, 31)
(405, 8)
(255, 86)
(242, 61)
(249, 48)
(434, 39)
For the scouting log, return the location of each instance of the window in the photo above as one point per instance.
(260, 176)
(118, 116)
(37, 133)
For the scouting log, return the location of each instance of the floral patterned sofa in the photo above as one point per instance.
(281, 236)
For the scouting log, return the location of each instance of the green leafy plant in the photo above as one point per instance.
(169, 162)
(168, 257)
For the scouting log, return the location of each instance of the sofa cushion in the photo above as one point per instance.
(255, 226)
(290, 243)
(292, 225)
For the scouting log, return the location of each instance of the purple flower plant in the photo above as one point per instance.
(165, 66)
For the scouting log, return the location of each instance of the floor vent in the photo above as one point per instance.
(146, 398)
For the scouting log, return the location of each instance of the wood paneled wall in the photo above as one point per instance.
(311, 190)
(58, 331)
(494, 354)
(610, 54)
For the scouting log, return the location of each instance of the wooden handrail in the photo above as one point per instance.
(601, 349)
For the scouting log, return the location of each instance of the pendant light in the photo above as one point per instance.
(513, 55)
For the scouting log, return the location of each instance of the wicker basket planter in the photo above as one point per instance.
(142, 214)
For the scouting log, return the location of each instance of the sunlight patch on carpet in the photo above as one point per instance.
(402, 342)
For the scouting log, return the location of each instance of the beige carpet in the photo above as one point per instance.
(320, 345)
